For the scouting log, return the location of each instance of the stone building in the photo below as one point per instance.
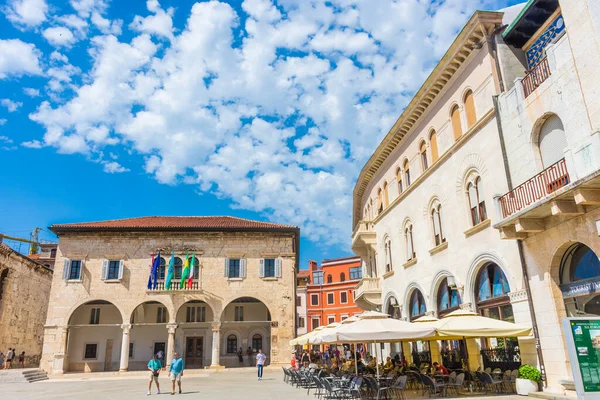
(103, 317)
(550, 116)
(423, 209)
(24, 292)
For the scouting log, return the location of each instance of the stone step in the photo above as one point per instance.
(551, 396)
(22, 375)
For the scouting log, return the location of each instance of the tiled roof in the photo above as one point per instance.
(5, 249)
(303, 274)
(171, 223)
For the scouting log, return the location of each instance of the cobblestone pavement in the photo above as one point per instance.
(236, 385)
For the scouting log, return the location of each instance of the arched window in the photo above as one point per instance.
(196, 266)
(448, 298)
(417, 305)
(410, 250)
(3, 276)
(177, 266)
(436, 220)
(423, 152)
(231, 344)
(407, 173)
(393, 308)
(379, 201)
(399, 179)
(580, 263)
(433, 145)
(342, 277)
(470, 109)
(476, 201)
(162, 268)
(456, 124)
(329, 278)
(388, 255)
(256, 343)
(386, 197)
(552, 141)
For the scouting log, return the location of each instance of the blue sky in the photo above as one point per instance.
(255, 108)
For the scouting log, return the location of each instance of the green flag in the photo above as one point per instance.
(186, 272)
(170, 271)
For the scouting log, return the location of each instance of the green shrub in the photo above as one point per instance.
(530, 372)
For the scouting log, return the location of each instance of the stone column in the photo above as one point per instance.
(171, 327)
(124, 365)
(216, 345)
(60, 359)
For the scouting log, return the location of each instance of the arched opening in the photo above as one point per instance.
(95, 335)
(456, 124)
(329, 278)
(249, 320)
(388, 254)
(421, 353)
(342, 277)
(423, 153)
(552, 141)
(469, 103)
(3, 276)
(476, 201)
(148, 335)
(448, 297)
(194, 318)
(399, 179)
(393, 308)
(436, 222)
(417, 305)
(386, 197)
(492, 301)
(408, 238)
(434, 146)
(579, 275)
(407, 173)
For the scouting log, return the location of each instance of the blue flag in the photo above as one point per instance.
(153, 278)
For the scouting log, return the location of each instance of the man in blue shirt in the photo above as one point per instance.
(176, 372)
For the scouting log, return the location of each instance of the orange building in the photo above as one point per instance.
(330, 293)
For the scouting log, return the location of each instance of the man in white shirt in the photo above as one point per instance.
(260, 362)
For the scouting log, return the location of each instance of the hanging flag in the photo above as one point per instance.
(153, 279)
(192, 266)
(150, 272)
(185, 273)
(170, 272)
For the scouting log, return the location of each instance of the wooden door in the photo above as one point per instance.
(108, 355)
(194, 350)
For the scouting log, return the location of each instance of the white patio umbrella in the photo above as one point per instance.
(302, 340)
(462, 323)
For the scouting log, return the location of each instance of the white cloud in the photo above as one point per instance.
(113, 167)
(277, 115)
(18, 58)
(26, 13)
(33, 144)
(59, 36)
(31, 92)
(2, 121)
(10, 105)
(5, 139)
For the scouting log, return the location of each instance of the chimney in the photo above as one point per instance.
(313, 265)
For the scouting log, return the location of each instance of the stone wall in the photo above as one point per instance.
(217, 291)
(24, 293)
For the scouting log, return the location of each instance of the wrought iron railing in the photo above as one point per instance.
(548, 181)
(536, 76)
(421, 357)
(175, 286)
(453, 359)
(509, 358)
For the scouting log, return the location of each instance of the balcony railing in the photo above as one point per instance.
(175, 286)
(536, 76)
(501, 358)
(367, 285)
(546, 182)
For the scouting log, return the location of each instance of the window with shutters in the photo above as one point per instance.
(95, 316)
(239, 313)
(407, 173)
(315, 323)
(423, 153)
(329, 278)
(476, 201)
(433, 145)
(74, 270)
(269, 271)
(161, 315)
(234, 268)
(314, 299)
(456, 124)
(469, 103)
(330, 319)
(552, 141)
(343, 297)
(113, 269)
(301, 322)
(330, 298)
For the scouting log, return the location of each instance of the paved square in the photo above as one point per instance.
(234, 385)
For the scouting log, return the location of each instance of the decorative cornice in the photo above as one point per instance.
(475, 30)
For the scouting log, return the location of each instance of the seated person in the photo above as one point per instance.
(440, 369)
(389, 365)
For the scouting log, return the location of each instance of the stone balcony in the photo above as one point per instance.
(368, 293)
(364, 236)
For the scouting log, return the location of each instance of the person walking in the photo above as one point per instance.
(22, 360)
(161, 356)
(176, 371)
(260, 362)
(240, 357)
(9, 357)
(249, 354)
(154, 365)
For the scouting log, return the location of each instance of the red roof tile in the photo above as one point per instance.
(170, 223)
(304, 273)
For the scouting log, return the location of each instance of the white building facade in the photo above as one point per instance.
(423, 210)
(550, 118)
(103, 317)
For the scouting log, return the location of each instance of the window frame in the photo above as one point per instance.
(238, 314)
(85, 351)
(95, 316)
(269, 270)
(312, 322)
(343, 277)
(330, 319)
(79, 265)
(406, 168)
(332, 294)
(411, 253)
(355, 276)
(318, 277)
(478, 210)
(254, 338)
(161, 315)
(312, 297)
(112, 274)
(343, 292)
(301, 322)
(234, 268)
(231, 339)
(399, 180)
(423, 156)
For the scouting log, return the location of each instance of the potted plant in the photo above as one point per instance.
(528, 380)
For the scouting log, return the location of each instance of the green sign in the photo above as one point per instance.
(586, 335)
